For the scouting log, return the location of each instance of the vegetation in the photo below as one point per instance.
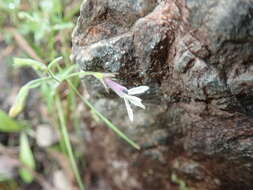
(42, 30)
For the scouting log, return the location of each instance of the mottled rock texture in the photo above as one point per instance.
(197, 58)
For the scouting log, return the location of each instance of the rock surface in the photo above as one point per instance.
(197, 58)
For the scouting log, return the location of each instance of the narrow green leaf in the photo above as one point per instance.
(52, 63)
(82, 74)
(67, 143)
(20, 101)
(113, 127)
(65, 72)
(104, 119)
(7, 124)
(26, 158)
(36, 65)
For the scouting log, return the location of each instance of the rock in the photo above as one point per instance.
(107, 55)
(60, 181)
(196, 56)
(228, 28)
(46, 136)
(8, 167)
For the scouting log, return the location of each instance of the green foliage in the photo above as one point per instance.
(7, 124)
(19, 103)
(9, 5)
(39, 24)
(49, 82)
(46, 26)
(36, 65)
(182, 185)
(26, 158)
(67, 143)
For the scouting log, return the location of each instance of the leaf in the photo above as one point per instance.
(20, 101)
(52, 63)
(62, 26)
(7, 124)
(65, 72)
(26, 158)
(36, 65)
(182, 185)
(9, 5)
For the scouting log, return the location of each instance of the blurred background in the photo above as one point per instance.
(35, 150)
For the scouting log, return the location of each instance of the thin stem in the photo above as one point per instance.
(72, 102)
(108, 123)
(81, 74)
(67, 143)
(64, 127)
(53, 76)
(34, 83)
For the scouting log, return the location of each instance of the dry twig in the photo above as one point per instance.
(23, 44)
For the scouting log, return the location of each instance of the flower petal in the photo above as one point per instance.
(116, 87)
(129, 110)
(105, 86)
(135, 100)
(138, 90)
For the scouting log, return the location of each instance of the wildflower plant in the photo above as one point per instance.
(51, 76)
(48, 77)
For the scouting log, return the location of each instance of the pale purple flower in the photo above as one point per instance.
(127, 94)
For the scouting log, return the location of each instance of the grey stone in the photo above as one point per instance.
(196, 56)
(109, 55)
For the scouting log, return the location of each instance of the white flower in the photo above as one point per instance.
(127, 95)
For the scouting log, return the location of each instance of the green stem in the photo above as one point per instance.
(64, 127)
(53, 76)
(81, 74)
(67, 143)
(72, 102)
(108, 123)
